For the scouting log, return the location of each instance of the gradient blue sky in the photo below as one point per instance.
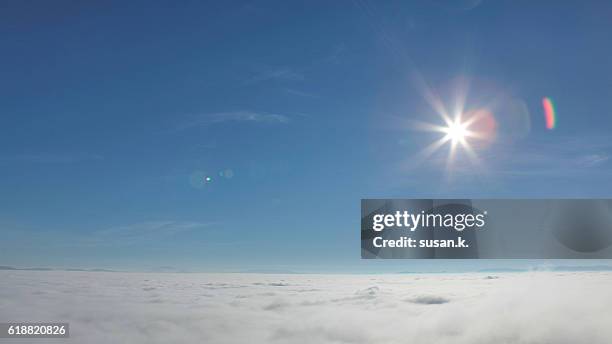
(112, 113)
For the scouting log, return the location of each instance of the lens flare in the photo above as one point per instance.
(461, 131)
(549, 113)
(456, 131)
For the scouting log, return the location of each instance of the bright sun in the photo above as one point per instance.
(461, 130)
(456, 131)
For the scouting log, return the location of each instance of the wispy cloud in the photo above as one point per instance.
(337, 53)
(594, 159)
(51, 158)
(299, 93)
(560, 157)
(278, 74)
(143, 232)
(149, 233)
(234, 116)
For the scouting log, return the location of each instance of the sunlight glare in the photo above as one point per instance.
(456, 131)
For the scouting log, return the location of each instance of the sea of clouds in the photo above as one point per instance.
(109, 307)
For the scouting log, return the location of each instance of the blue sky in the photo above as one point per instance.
(113, 113)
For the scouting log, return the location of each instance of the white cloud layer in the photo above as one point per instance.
(540, 307)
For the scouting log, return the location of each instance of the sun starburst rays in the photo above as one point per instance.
(458, 133)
